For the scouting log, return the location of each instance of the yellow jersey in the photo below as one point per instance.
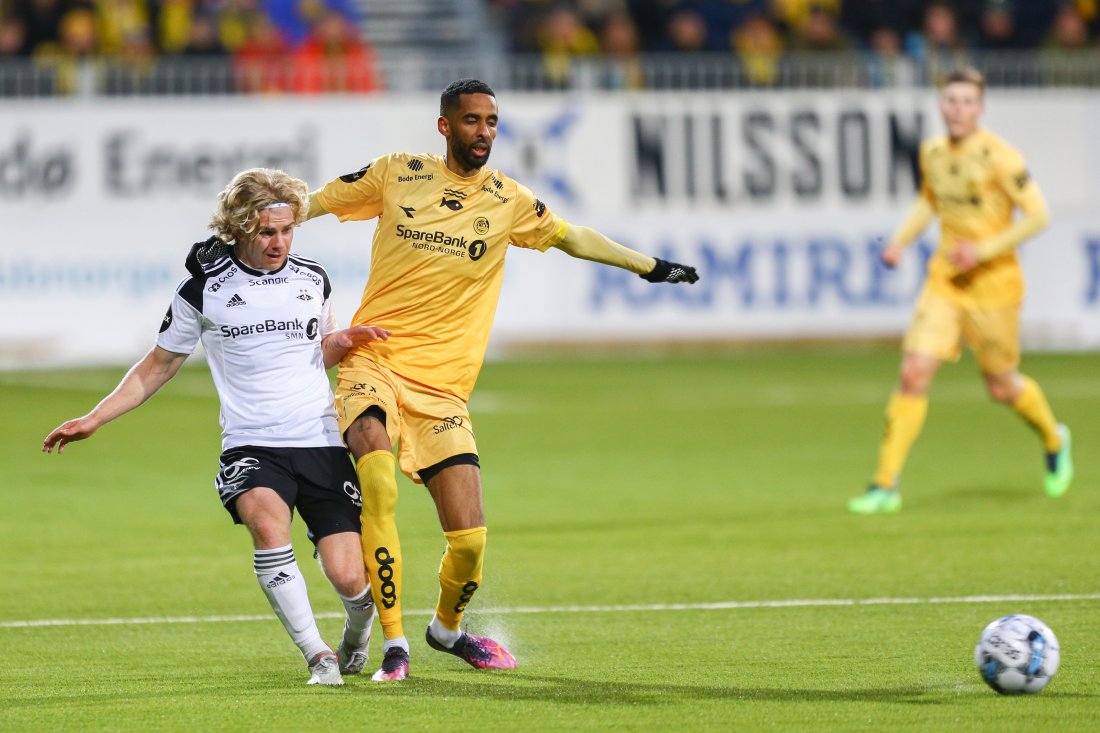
(437, 260)
(974, 186)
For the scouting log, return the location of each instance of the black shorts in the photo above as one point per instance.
(319, 482)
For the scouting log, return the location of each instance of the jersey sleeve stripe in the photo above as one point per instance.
(316, 267)
(190, 290)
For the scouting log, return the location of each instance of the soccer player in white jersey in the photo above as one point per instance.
(437, 264)
(264, 317)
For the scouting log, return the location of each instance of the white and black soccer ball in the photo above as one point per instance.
(1017, 654)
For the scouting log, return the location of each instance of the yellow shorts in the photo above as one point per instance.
(939, 327)
(427, 425)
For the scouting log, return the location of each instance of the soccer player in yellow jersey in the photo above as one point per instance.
(437, 263)
(973, 181)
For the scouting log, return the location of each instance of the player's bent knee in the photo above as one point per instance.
(348, 579)
(1005, 394)
(915, 379)
(467, 545)
(266, 515)
(341, 558)
(268, 532)
(379, 484)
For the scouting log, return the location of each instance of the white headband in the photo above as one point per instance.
(276, 205)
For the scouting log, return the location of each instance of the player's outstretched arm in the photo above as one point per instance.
(338, 343)
(139, 384)
(916, 220)
(315, 207)
(588, 244)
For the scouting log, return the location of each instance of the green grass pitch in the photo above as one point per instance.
(664, 484)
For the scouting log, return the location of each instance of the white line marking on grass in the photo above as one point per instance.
(718, 606)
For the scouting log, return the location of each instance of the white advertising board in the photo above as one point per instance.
(779, 199)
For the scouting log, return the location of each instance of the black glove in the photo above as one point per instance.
(671, 272)
(203, 253)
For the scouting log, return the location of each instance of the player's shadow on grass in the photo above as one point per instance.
(514, 686)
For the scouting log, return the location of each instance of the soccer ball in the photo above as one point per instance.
(1017, 654)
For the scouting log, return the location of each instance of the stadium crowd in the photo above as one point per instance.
(760, 33)
(318, 45)
(913, 27)
(301, 46)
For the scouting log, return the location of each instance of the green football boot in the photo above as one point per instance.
(1059, 466)
(876, 500)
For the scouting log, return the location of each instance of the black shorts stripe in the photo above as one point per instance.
(462, 459)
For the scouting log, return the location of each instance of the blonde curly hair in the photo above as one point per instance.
(237, 216)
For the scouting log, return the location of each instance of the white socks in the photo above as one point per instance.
(281, 581)
(400, 641)
(442, 634)
(357, 626)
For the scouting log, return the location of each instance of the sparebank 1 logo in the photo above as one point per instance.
(535, 152)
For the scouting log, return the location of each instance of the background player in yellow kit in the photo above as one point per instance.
(974, 181)
(444, 226)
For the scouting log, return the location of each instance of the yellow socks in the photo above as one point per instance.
(381, 545)
(459, 574)
(1032, 406)
(904, 419)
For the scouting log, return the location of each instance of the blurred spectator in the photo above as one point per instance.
(172, 24)
(1066, 48)
(13, 50)
(296, 19)
(200, 66)
(887, 66)
(998, 27)
(938, 38)
(759, 47)
(238, 21)
(76, 44)
(133, 74)
(561, 37)
(202, 38)
(885, 43)
(795, 14)
(13, 37)
(1089, 10)
(1069, 31)
(820, 32)
(619, 40)
(522, 19)
(686, 31)
(260, 64)
(118, 22)
(333, 59)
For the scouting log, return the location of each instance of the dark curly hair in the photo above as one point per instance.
(449, 99)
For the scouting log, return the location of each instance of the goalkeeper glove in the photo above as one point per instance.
(203, 253)
(670, 272)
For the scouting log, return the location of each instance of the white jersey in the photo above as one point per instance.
(262, 333)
